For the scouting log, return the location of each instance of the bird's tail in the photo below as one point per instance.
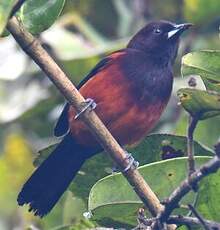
(49, 181)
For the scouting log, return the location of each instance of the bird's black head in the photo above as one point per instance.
(159, 40)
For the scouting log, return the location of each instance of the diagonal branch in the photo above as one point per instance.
(190, 149)
(172, 202)
(179, 220)
(33, 48)
(199, 217)
(192, 221)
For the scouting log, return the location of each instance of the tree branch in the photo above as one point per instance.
(34, 49)
(191, 221)
(178, 220)
(146, 223)
(172, 202)
(190, 150)
(199, 217)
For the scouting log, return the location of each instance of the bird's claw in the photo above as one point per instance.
(89, 103)
(131, 162)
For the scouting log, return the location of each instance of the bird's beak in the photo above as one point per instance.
(178, 30)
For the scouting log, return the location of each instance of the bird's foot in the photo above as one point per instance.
(88, 104)
(131, 162)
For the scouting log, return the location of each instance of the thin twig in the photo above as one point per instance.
(34, 49)
(190, 148)
(199, 217)
(191, 221)
(16, 7)
(172, 202)
(217, 149)
(179, 220)
(194, 203)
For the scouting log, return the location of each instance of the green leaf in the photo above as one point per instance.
(201, 11)
(199, 103)
(206, 64)
(73, 209)
(39, 15)
(153, 148)
(208, 204)
(207, 131)
(156, 147)
(5, 10)
(59, 227)
(113, 198)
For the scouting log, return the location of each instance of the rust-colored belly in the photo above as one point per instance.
(127, 119)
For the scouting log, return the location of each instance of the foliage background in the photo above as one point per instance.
(30, 104)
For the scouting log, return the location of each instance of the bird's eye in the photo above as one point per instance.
(157, 31)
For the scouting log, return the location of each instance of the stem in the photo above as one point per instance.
(190, 147)
(34, 49)
(198, 216)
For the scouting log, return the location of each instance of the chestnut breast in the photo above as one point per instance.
(128, 113)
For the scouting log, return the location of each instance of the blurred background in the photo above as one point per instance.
(85, 32)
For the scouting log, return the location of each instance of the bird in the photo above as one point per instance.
(131, 88)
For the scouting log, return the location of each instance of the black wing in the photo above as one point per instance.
(62, 125)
